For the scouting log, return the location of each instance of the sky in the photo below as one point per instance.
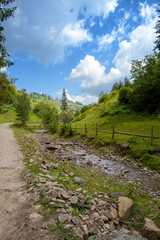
(84, 46)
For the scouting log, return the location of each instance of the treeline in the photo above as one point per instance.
(142, 92)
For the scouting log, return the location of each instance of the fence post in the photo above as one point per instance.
(152, 135)
(113, 133)
(85, 128)
(96, 129)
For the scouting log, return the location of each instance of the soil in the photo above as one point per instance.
(15, 203)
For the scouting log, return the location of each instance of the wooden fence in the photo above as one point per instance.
(116, 132)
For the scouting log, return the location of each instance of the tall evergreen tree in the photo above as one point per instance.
(64, 105)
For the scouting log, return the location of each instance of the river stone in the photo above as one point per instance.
(150, 230)
(79, 180)
(124, 207)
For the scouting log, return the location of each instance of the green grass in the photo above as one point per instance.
(7, 117)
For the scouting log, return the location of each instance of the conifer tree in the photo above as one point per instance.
(64, 105)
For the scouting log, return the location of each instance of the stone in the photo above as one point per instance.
(124, 207)
(85, 229)
(76, 221)
(125, 145)
(93, 231)
(63, 218)
(35, 218)
(71, 174)
(79, 180)
(117, 194)
(150, 230)
(53, 147)
(64, 195)
(74, 199)
(54, 193)
(53, 166)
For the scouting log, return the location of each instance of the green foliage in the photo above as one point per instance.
(23, 107)
(124, 95)
(103, 98)
(65, 117)
(146, 86)
(84, 108)
(64, 105)
(49, 115)
(5, 13)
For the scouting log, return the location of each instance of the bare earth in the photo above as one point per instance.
(15, 203)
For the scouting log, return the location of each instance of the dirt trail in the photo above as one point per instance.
(11, 181)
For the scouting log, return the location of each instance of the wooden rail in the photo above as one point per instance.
(116, 132)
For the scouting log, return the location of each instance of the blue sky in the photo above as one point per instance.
(84, 46)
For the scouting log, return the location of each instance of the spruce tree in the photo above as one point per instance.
(157, 42)
(64, 105)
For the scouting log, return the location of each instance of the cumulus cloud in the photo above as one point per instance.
(46, 31)
(140, 42)
(92, 75)
(74, 34)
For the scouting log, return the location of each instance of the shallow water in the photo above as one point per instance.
(116, 168)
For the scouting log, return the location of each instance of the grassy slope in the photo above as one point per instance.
(140, 148)
(10, 116)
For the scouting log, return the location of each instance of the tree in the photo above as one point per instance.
(157, 42)
(64, 105)
(146, 83)
(5, 13)
(103, 98)
(49, 115)
(23, 107)
(8, 91)
(124, 95)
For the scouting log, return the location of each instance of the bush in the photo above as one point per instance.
(103, 98)
(124, 95)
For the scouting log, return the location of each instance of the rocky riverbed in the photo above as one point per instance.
(120, 168)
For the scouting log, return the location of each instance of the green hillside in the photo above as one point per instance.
(109, 113)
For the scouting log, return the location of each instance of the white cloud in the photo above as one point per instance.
(107, 39)
(74, 34)
(140, 43)
(92, 75)
(48, 31)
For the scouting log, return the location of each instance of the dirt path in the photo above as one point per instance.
(12, 195)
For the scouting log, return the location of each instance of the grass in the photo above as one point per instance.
(145, 205)
(8, 116)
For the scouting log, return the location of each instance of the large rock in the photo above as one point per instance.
(150, 230)
(124, 207)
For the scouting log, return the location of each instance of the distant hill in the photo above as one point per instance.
(73, 106)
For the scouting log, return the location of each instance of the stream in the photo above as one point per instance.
(121, 168)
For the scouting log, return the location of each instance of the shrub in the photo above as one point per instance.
(103, 98)
(124, 95)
